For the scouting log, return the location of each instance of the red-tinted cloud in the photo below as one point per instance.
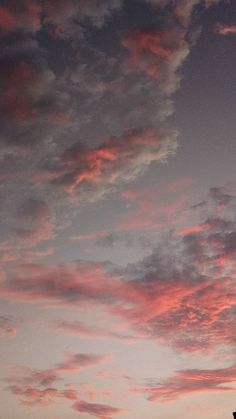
(77, 362)
(158, 54)
(192, 382)
(226, 29)
(153, 211)
(33, 396)
(38, 387)
(119, 159)
(8, 21)
(183, 293)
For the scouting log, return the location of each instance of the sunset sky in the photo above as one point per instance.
(118, 209)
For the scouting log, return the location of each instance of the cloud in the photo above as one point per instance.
(8, 326)
(119, 159)
(157, 53)
(192, 381)
(90, 118)
(226, 29)
(77, 362)
(63, 13)
(151, 211)
(98, 410)
(182, 294)
(42, 397)
(84, 331)
(80, 329)
(38, 387)
(182, 9)
(32, 15)
(221, 197)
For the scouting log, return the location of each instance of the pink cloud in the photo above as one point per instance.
(158, 54)
(119, 159)
(193, 381)
(90, 236)
(37, 387)
(98, 410)
(182, 294)
(153, 211)
(226, 29)
(78, 362)
(42, 397)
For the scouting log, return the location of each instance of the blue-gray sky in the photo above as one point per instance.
(118, 230)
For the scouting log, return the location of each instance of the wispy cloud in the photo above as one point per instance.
(8, 326)
(225, 30)
(98, 410)
(43, 387)
(193, 381)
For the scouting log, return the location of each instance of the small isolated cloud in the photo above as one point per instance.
(98, 410)
(78, 362)
(8, 326)
(225, 30)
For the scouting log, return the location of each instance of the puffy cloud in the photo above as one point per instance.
(157, 53)
(32, 15)
(62, 14)
(98, 410)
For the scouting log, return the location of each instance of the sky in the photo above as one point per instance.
(117, 209)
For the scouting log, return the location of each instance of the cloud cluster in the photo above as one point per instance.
(182, 294)
(157, 53)
(80, 111)
(42, 387)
